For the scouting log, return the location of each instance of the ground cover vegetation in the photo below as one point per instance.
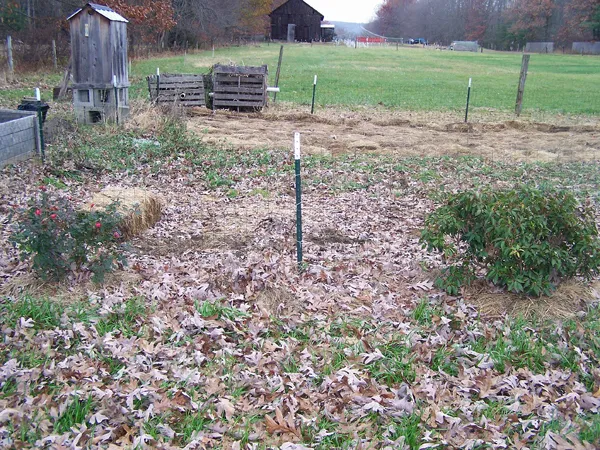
(211, 338)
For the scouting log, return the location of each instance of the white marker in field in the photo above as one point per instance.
(38, 96)
(315, 83)
(296, 145)
(469, 82)
(298, 200)
(158, 71)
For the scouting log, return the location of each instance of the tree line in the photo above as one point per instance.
(499, 24)
(159, 24)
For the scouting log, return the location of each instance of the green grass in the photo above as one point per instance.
(408, 78)
(76, 412)
(414, 79)
(44, 313)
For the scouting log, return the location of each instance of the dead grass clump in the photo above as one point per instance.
(277, 302)
(140, 209)
(569, 298)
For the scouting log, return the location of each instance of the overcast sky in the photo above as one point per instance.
(361, 11)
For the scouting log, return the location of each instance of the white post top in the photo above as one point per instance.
(158, 71)
(469, 82)
(38, 97)
(296, 145)
(315, 83)
(114, 80)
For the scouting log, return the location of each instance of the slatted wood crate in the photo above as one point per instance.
(184, 89)
(241, 87)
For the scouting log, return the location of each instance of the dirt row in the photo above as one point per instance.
(493, 136)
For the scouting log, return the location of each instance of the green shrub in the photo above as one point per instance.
(62, 239)
(525, 240)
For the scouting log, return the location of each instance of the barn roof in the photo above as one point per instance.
(103, 10)
(315, 11)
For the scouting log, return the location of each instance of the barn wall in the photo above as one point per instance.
(307, 21)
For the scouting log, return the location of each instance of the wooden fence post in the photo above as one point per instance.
(11, 66)
(54, 58)
(521, 90)
(278, 72)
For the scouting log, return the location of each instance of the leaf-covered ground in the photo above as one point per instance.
(212, 338)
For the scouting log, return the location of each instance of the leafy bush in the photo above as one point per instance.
(62, 239)
(525, 240)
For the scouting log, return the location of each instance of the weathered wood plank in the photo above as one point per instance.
(236, 103)
(234, 96)
(245, 70)
(240, 89)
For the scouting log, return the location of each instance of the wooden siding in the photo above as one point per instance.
(297, 12)
(99, 55)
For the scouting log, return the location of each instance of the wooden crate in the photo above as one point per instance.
(241, 87)
(184, 89)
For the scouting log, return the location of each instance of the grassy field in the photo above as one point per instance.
(408, 78)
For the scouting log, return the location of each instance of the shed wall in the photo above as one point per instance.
(92, 58)
(539, 47)
(587, 48)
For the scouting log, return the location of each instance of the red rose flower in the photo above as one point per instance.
(53, 216)
(116, 235)
(43, 188)
(98, 224)
(38, 212)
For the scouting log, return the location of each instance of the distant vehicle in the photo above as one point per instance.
(418, 41)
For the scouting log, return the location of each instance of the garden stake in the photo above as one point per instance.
(468, 97)
(312, 108)
(157, 83)
(116, 99)
(298, 200)
(38, 97)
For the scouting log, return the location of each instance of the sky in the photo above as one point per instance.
(360, 11)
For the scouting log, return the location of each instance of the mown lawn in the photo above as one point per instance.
(407, 78)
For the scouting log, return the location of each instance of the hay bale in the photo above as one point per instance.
(140, 209)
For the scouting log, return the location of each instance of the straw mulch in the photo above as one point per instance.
(140, 209)
(570, 297)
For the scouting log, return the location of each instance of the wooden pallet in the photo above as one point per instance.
(184, 89)
(239, 87)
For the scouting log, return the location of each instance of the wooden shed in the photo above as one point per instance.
(99, 64)
(296, 20)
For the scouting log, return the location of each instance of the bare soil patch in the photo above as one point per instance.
(492, 135)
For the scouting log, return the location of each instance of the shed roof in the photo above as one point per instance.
(103, 10)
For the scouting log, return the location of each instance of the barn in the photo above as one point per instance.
(296, 20)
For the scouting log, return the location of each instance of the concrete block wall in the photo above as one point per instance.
(19, 135)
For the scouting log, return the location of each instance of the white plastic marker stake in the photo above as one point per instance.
(468, 97)
(312, 108)
(298, 200)
(213, 51)
(157, 83)
(116, 91)
(38, 96)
